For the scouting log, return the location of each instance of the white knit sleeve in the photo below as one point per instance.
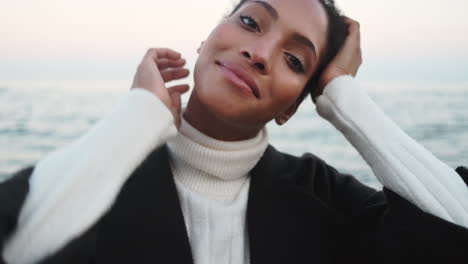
(399, 162)
(73, 187)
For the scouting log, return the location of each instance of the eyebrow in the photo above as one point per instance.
(306, 42)
(271, 10)
(296, 37)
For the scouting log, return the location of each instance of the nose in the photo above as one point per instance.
(259, 60)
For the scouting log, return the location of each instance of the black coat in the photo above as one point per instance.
(299, 210)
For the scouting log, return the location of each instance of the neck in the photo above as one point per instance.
(214, 168)
(198, 116)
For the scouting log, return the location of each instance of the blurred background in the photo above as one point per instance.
(64, 64)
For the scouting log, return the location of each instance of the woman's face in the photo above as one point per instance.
(255, 63)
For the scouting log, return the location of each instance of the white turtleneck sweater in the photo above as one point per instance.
(212, 180)
(211, 176)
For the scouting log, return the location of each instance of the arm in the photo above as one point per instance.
(400, 163)
(73, 187)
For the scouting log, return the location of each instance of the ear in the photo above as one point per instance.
(200, 47)
(282, 118)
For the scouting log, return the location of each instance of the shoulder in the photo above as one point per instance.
(311, 175)
(307, 170)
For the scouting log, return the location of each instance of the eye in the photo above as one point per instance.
(295, 63)
(249, 22)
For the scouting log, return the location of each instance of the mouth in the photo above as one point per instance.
(240, 77)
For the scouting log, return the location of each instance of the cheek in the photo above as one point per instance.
(286, 91)
(208, 53)
(221, 38)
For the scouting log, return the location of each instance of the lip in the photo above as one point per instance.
(242, 76)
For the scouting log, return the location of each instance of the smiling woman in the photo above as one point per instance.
(155, 182)
(280, 46)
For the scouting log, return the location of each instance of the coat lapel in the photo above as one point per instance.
(286, 224)
(146, 223)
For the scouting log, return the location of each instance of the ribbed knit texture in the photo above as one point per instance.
(217, 230)
(212, 181)
(216, 169)
(398, 162)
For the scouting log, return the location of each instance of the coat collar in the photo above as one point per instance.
(281, 218)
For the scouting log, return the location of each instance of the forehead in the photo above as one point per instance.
(306, 17)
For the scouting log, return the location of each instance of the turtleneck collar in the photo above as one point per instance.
(210, 166)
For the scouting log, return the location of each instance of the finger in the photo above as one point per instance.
(177, 102)
(155, 53)
(168, 53)
(151, 54)
(349, 20)
(166, 63)
(353, 41)
(354, 28)
(181, 88)
(177, 121)
(174, 74)
(353, 25)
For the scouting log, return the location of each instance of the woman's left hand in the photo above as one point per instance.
(348, 59)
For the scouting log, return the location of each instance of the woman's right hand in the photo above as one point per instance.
(161, 65)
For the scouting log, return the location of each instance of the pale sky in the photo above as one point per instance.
(105, 39)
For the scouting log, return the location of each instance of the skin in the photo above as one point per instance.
(263, 46)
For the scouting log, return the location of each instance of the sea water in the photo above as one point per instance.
(37, 118)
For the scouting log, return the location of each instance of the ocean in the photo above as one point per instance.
(38, 117)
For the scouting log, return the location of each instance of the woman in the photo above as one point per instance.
(134, 189)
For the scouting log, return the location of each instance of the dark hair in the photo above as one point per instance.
(337, 32)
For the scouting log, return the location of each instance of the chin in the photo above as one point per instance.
(228, 108)
(223, 101)
(224, 104)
